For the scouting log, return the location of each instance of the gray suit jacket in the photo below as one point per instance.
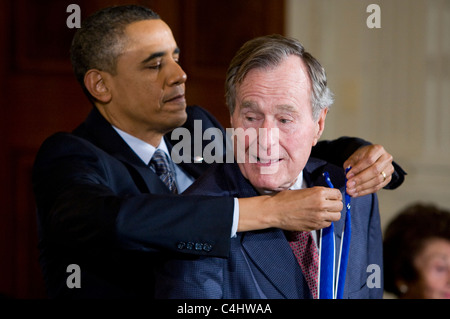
(261, 263)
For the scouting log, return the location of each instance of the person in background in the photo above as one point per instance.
(417, 253)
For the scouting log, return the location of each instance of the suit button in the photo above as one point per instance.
(207, 247)
(190, 245)
(181, 245)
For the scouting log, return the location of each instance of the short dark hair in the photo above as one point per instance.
(100, 40)
(269, 51)
(405, 237)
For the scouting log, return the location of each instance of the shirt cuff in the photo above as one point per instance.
(234, 227)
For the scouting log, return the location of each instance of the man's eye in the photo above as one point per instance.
(155, 66)
(285, 121)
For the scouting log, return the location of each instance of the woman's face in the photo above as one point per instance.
(433, 266)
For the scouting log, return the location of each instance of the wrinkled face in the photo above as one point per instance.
(148, 87)
(433, 266)
(275, 103)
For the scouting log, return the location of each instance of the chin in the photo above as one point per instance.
(179, 118)
(266, 184)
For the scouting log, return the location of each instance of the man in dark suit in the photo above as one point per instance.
(279, 89)
(103, 207)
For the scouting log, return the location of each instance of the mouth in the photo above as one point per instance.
(267, 161)
(179, 98)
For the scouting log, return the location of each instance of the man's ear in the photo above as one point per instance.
(95, 83)
(320, 125)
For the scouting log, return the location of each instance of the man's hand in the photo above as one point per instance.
(371, 170)
(301, 210)
(308, 209)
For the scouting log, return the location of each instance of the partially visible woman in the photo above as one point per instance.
(417, 253)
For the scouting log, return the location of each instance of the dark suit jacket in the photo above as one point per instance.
(100, 207)
(261, 264)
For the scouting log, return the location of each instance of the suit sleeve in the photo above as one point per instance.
(82, 202)
(337, 151)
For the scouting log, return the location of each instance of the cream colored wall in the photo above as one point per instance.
(392, 85)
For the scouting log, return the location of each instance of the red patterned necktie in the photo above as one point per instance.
(305, 250)
(161, 165)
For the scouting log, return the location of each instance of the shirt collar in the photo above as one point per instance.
(300, 183)
(142, 149)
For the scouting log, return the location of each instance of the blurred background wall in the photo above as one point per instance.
(391, 86)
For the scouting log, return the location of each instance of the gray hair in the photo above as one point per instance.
(269, 51)
(100, 40)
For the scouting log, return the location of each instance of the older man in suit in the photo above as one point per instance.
(276, 86)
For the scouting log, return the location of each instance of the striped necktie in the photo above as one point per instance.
(162, 165)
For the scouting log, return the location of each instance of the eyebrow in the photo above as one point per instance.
(286, 107)
(254, 106)
(159, 55)
(249, 105)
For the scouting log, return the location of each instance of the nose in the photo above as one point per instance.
(176, 74)
(268, 137)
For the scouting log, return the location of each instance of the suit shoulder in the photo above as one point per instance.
(196, 112)
(317, 167)
(335, 171)
(223, 179)
(211, 182)
(65, 141)
(68, 147)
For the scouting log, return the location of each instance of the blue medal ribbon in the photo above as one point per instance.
(329, 286)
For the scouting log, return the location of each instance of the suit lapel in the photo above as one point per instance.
(193, 167)
(197, 123)
(102, 134)
(284, 274)
(261, 247)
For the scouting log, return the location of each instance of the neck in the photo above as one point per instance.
(149, 136)
(293, 185)
(262, 191)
